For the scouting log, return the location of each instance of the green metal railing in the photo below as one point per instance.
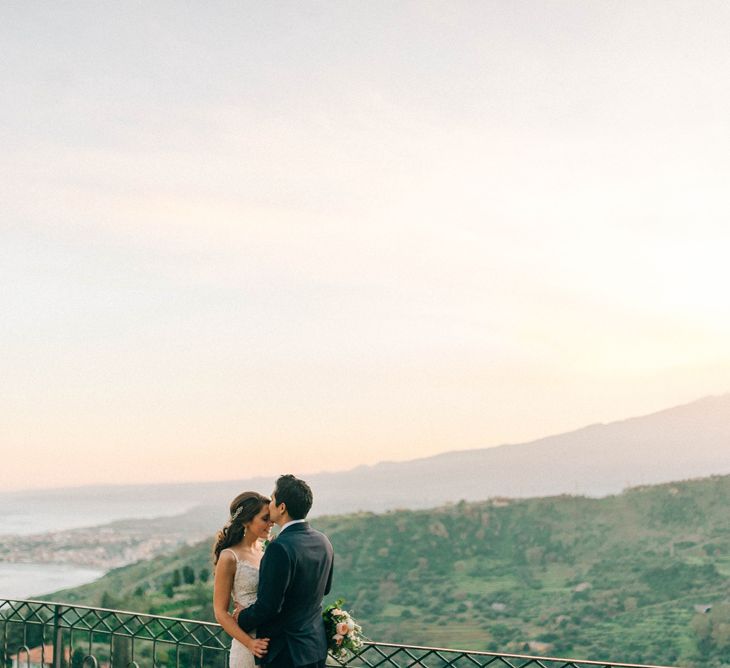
(39, 633)
(35, 634)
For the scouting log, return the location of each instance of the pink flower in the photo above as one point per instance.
(342, 629)
(337, 638)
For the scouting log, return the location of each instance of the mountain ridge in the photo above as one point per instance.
(688, 441)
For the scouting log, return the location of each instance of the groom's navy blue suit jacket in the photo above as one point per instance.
(296, 573)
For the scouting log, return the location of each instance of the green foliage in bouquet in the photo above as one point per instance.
(343, 632)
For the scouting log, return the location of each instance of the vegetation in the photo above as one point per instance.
(639, 577)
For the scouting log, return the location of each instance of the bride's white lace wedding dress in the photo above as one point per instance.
(245, 584)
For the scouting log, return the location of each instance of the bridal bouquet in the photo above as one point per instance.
(343, 632)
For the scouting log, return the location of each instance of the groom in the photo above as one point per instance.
(296, 573)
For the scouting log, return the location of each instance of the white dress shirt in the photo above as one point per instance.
(288, 524)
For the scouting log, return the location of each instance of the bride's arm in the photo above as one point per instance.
(225, 571)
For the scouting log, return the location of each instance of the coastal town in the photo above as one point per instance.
(108, 546)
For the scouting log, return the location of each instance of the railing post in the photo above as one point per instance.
(57, 638)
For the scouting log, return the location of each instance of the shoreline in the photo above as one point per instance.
(34, 579)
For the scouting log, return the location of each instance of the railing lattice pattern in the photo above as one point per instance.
(39, 634)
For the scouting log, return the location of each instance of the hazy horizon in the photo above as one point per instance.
(270, 477)
(241, 237)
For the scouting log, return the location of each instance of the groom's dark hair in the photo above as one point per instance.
(296, 494)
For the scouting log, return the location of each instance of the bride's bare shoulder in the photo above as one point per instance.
(227, 560)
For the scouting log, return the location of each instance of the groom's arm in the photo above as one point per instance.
(328, 586)
(273, 581)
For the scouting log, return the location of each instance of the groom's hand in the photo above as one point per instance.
(237, 607)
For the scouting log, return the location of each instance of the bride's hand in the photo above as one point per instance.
(259, 646)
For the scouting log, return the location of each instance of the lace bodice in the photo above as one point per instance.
(245, 583)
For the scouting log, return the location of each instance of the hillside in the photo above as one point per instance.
(617, 578)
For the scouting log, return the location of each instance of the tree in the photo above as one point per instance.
(188, 575)
(77, 658)
(108, 601)
(121, 651)
(721, 636)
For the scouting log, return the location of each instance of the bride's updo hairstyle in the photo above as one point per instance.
(243, 509)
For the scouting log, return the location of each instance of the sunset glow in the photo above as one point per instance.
(308, 237)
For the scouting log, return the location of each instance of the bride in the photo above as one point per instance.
(237, 554)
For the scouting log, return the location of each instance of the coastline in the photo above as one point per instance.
(30, 580)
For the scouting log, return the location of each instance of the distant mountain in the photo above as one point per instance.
(689, 441)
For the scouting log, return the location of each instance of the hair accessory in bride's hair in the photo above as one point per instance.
(236, 514)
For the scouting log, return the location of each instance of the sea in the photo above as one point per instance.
(44, 511)
(24, 581)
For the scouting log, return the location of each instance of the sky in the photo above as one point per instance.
(244, 238)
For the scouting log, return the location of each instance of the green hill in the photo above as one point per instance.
(617, 578)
